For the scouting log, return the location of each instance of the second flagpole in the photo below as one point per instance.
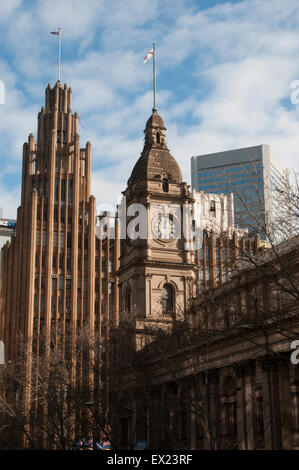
(154, 75)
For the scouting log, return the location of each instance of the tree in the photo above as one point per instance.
(49, 409)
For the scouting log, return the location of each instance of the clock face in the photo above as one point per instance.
(163, 228)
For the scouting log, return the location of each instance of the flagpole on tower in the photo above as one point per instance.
(152, 55)
(154, 75)
(58, 33)
(59, 52)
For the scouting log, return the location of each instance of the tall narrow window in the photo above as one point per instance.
(46, 187)
(213, 208)
(259, 417)
(56, 188)
(42, 304)
(70, 192)
(69, 239)
(69, 215)
(165, 186)
(128, 300)
(62, 215)
(158, 138)
(230, 411)
(40, 187)
(44, 239)
(55, 239)
(61, 240)
(207, 252)
(63, 190)
(57, 162)
(37, 237)
(167, 298)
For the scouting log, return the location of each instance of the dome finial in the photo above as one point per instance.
(155, 160)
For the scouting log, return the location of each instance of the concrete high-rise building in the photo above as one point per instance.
(251, 173)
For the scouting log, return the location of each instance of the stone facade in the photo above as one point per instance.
(223, 379)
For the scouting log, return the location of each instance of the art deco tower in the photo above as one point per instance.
(54, 270)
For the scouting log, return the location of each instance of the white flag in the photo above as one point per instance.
(148, 56)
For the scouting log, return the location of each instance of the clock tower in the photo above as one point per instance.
(156, 274)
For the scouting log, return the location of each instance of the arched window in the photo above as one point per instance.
(165, 185)
(158, 138)
(128, 299)
(167, 298)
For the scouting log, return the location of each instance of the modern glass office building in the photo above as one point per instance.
(251, 173)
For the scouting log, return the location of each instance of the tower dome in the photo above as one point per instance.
(155, 161)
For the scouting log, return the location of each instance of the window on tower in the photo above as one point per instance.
(70, 192)
(167, 299)
(165, 186)
(56, 188)
(63, 190)
(213, 208)
(128, 300)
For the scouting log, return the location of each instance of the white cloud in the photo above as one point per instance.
(239, 61)
(7, 9)
(9, 201)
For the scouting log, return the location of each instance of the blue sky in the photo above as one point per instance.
(224, 71)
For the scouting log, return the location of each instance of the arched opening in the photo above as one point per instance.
(128, 300)
(167, 298)
(165, 185)
(158, 138)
